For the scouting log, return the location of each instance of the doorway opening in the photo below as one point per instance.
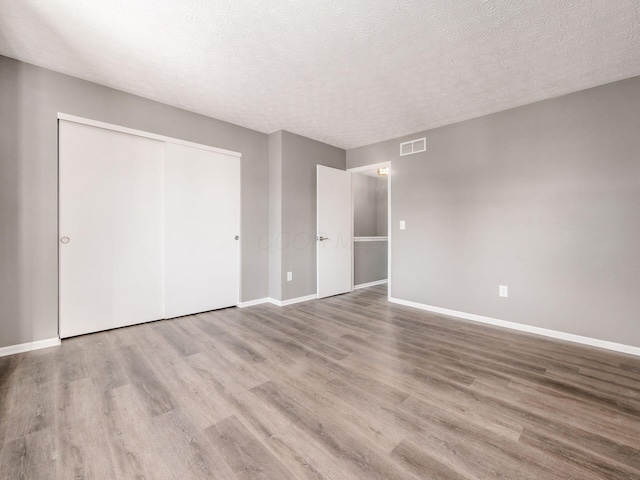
(371, 215)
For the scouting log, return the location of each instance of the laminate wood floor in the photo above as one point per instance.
(349, 387)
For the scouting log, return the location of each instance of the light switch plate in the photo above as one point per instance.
(403, 225)
(289, 276)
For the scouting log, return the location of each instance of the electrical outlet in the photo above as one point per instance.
(503, 291)
(289, 276)
(403, 225)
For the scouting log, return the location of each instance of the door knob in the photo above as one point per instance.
(321, 238)
(237, 237)
(65, 240)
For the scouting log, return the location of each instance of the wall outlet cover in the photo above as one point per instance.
(503, 291)
(403, 225)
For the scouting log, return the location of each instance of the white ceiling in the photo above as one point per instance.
(348, 73)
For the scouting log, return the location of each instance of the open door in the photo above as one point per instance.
(334, 231)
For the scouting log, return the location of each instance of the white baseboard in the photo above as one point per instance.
(279, 303)
(27, 347)
(570, 337)
(251, 303)
(291, 301)
(370, 284)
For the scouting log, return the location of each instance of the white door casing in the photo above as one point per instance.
(334, 231)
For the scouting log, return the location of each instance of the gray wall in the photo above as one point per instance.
(544, 198)
(30, 98)
(300, 155)
(275, 215)
(382, 211)
(369, 206)
(365, 206)
(370, 262)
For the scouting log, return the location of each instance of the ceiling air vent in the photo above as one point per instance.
(414, 146)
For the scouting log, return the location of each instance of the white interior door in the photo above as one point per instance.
(335, 228)
(202, 220)
(111, 229)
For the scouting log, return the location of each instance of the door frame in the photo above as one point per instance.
(140, 133)
(368, 168)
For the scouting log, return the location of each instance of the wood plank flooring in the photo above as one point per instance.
(350, 387)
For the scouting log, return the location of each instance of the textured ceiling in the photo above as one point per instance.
(348, 73)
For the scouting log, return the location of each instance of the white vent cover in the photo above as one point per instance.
(413, 146)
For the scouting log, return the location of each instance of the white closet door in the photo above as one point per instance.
(202, 220)
(111, 197)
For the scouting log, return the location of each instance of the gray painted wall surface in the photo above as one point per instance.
(300, 155)
(275, 215)
(370, 262)
(30, 98)
(543, 198)
(365, 206)
(382, 187)
(369, 206)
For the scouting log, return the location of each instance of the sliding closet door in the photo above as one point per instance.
(111, 229)
(202, 225)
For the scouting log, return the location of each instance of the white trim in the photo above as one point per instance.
(370, 284)
(27, 347)
(570, 337)
(141, 133)
(368, 168)
(251, 303)
(353, 234)
(240, 230)
(291, 301)
(370, 239)
(279, 303)
(389, 230)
